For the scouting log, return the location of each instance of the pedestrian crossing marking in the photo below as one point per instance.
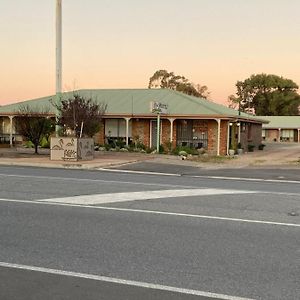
(143, 195)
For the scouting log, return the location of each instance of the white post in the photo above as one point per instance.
(58, 55)
(11, 131)
(279, 134)
(127, 130)
(228, 132)
(158, 133)
(239, 133)
(219, 136)
(171, 129)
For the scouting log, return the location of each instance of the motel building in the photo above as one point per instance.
(184, 121)
(281, 129)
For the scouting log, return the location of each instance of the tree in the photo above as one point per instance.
(267, 95)
(168, 80)
(34, 125)
(78, 113)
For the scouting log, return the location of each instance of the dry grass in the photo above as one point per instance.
(210, 159)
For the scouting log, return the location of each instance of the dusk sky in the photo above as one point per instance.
(121, 43)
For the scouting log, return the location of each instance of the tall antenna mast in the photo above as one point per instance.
(58, 55)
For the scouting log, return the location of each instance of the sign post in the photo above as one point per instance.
(158, 108)
(158, 133)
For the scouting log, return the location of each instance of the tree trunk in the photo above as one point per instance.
(36, 148)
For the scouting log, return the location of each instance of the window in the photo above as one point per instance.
(192, 133)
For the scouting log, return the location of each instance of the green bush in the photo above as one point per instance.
(107, 146)
(149, 150)
(188, 150)
(251, 147)
(140, 145)
(28, 144)
(182, 153)
(120, 143)
(261, 146)
(161, 149)
(45, 143)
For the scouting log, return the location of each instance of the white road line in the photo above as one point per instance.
(121, 281)
(95, 180)
(244, 179)
(139, 172)
(153, 173)
(203, 176)
(144, 195)
(155, 212)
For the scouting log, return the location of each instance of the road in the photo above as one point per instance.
(75, 234)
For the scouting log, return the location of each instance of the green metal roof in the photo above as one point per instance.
(288, 122)
(137, 102)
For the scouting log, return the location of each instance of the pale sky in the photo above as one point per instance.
(121, 43)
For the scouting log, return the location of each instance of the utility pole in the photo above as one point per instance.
(58, 57)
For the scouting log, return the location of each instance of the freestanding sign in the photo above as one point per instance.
(71, 148)
(158, 108)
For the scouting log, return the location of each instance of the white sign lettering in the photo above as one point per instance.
(158, 108)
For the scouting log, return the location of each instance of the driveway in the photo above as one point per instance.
(282, 155)
(274, 154)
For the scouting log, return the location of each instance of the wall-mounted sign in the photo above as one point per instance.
(158, 108)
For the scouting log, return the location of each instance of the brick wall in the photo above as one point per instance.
(254, 134)
(213, 137)
(224, 135)
(271, 135)
(165, 133)
(141, 130)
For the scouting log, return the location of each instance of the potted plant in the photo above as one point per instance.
(239, 149)
(251, 147)
(231, 150)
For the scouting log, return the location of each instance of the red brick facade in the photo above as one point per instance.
(250, 133)
(141, 131)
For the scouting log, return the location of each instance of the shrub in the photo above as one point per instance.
(261, 146)
(120, 143)
(182, 153)
(149, 150)
(107, 146)
(161, 149)
(45, 143)
(28, 144)
(188, 150)
(168, 146)
(251, 147)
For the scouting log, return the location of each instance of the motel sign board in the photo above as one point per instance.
(158, 108)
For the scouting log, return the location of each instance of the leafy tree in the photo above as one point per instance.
(77, 112)
(268, 95)
(34, 125)
(168, 80)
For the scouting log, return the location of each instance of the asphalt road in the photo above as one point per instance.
(112, 235)
(271, 172)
